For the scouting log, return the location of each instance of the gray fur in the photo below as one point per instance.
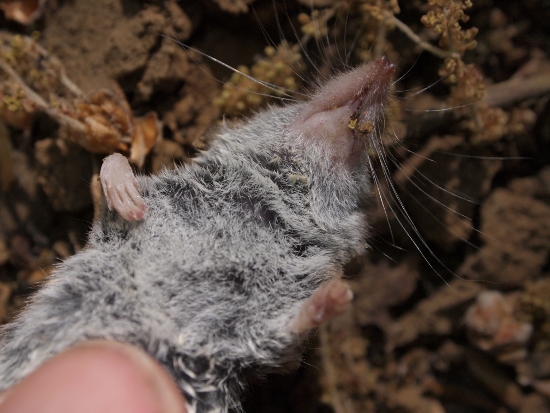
(209, 282)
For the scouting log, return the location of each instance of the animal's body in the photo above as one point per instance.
(224, 272)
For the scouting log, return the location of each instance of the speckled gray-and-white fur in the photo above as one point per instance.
(209, 282)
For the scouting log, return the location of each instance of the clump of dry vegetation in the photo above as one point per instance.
(274, 75)
(33, 81)
(455, 320)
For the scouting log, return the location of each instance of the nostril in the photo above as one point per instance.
(385, 68)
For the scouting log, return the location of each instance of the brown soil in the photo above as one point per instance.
(421, 336)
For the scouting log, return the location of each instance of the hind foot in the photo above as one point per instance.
(121, 188)
(327, 302)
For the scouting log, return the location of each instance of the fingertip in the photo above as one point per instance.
(96, 377)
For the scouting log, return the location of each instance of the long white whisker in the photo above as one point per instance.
(268, 85)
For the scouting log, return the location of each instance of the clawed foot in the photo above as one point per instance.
(121, 188)
(327, 302)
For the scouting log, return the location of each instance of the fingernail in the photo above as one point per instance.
(169, 398)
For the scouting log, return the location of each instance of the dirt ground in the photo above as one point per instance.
(452, 302)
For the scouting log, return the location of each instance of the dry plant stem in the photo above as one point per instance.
(381, 43)
(415, 38)
(510, 91)
(499, 94)
(41, 103)
(68, 83)
(330, 371)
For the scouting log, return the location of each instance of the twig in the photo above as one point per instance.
(381, 41)
(40, 102)
(510, 91)
(68, 83)
(416, 39)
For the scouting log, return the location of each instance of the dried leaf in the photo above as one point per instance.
(22, 11)
(115, 109)
(101, 123)
(147, 132)
(108, 121)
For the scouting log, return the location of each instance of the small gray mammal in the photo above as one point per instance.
(222, 266)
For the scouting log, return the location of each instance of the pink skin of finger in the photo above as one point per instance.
(327, 302)
(96, 376)
(121, 188)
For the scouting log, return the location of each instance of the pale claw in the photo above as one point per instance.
(121, 188)
(327, 302)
